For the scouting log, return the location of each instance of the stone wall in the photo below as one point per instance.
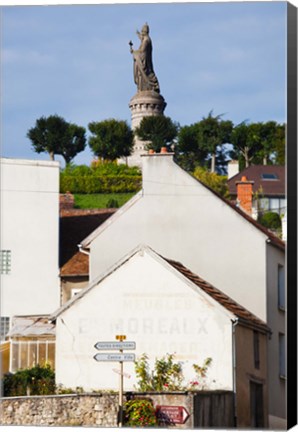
(62, 410)
(215, 409)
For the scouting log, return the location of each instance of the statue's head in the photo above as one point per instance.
(145, 29)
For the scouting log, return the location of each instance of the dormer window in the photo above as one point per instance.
(269, 176)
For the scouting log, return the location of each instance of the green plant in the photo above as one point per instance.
(215, 181)
(112, 203)
(201, 374)
(38, 380)
(270, 220)
(89, 184)
(166, 375)
(140, 412)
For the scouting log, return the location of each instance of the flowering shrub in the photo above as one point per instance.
(199, 383)
(140, 412)
(166, 376)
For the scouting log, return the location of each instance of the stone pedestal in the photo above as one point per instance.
(144, 103)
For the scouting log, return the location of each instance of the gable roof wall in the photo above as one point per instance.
(245, 317)
(153, 183)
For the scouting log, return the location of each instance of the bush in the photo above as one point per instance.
(166, 376)
(215, 181)
(270, 220)
(140, 412)
(112, 203)
(35, 381)
(99, 184)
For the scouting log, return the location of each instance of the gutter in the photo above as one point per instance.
(84, 251)
(234, 324)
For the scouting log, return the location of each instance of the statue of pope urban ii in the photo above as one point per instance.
(144, 75)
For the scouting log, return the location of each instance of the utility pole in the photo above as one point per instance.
(121, 338)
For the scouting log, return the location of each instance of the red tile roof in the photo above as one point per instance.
(274, 187)
(243, 314)
(78, 265)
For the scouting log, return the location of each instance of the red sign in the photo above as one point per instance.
(172, 414)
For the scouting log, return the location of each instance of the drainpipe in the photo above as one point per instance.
(83, 250)
(234, 323)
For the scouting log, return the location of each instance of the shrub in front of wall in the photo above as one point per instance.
(38, 380)
(140, 412)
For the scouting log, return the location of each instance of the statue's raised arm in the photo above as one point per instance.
(144, 75)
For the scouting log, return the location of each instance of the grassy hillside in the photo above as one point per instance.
(94, 201)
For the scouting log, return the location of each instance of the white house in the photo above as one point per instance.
(29, 239)
(164, 308)
(184, 220)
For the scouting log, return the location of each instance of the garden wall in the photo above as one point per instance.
(206, 409)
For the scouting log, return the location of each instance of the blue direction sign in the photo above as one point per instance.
(125, 345)
(110, 357)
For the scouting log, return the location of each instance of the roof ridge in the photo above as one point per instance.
(218, 295)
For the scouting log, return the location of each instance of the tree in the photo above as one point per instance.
(158, 130)
(54, 135)
(213, 133)
(259, 143)
(280, 145)
(246, 141)
(111, 139)
(189, 150)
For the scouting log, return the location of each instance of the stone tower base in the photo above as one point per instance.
(144, 103)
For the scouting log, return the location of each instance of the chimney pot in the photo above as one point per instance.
(163, 150)
(151, 151)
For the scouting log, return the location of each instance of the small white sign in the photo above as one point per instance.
(115, 345)
(114, 357)
(123, 373)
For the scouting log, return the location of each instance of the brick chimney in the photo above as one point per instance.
(244, 195)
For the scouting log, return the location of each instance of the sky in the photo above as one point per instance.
(74, 61)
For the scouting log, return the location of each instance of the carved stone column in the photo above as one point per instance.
(144, 103)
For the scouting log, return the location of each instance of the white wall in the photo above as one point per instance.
(276, 318)
(29, 228)
(181, 219)
(148, 303)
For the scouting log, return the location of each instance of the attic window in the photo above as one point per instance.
(268, 176)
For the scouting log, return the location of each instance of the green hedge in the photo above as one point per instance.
(38, 380)
(100, 184)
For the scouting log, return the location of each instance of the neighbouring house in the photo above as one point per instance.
(29, 260)
(268, 188)
(183, 219)
(164, 308)
(32, 342)
(75, 225)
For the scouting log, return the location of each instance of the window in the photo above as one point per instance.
(269, 176)
(281, 287)
(5, 261)
(29, 353)
(282, 355)
(256, 350)
(273, 204)
(4, 327)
